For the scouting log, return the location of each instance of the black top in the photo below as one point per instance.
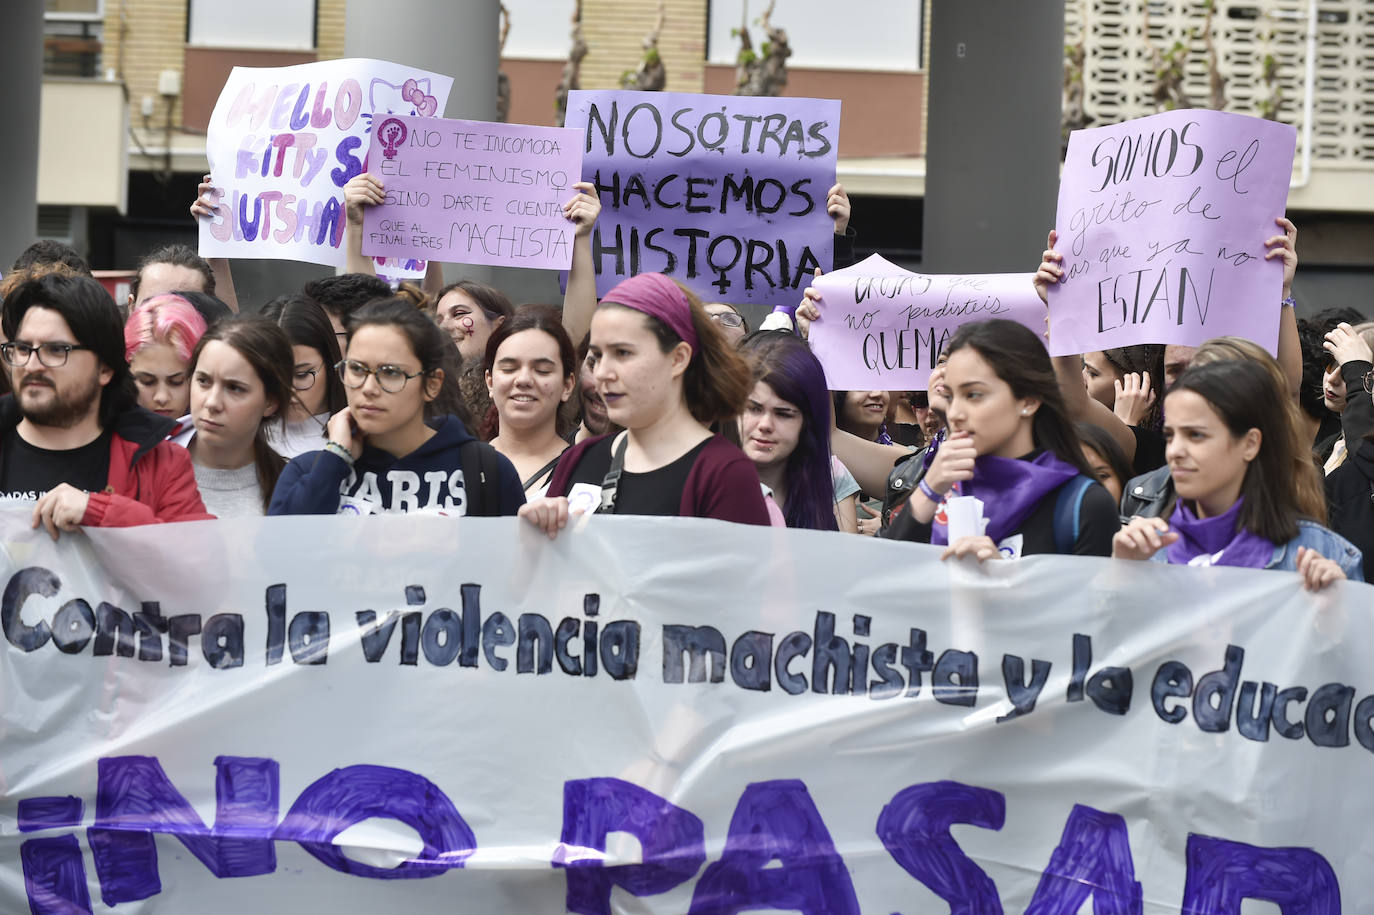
(658, 492)
(27, 472)
(1098, 523)
(1149, 450)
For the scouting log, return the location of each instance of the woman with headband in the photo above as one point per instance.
(666, 373)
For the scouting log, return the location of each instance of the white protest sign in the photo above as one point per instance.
(882, 327)
(282, 142)
(421, 714)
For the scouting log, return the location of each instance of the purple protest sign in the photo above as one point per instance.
(882, 327)
(1162, 222)
(724, 193)
(473, 192)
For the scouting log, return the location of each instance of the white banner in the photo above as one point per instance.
(422, 714)
(283, 141)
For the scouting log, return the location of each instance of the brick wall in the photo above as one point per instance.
(329, 31)
(152, 38)
(615, 32)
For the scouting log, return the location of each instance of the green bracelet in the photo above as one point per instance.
(340, 451)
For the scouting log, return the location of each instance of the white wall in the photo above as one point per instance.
(287, 25)
(827, 34)
(539, 29)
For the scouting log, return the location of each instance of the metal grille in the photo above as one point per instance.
(1122, 41)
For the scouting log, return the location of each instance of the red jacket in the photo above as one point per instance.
(150, 481)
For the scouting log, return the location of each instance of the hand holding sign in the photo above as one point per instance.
(1162, 217)
(883, 327)
(473, 192)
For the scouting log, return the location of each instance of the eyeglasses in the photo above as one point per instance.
(390, 378)
(53, 355)
(728, 318)
(304, 379)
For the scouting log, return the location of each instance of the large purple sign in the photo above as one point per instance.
(1162, 222)
(724, 193)
(473, 192)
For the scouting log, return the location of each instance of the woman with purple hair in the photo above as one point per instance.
(785, 429)
(666, 374)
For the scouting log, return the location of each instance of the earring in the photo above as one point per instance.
(1025, 412)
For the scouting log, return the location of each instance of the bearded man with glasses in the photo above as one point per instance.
(72, 436)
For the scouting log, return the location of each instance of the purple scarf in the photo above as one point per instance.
(1219, 541)
(1010, 489)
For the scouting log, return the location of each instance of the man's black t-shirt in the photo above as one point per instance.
(27, 472)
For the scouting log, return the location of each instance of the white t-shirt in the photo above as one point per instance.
(298, 438)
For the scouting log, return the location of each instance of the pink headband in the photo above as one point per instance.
(656, 295)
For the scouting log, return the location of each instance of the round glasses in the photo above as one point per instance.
(390, 378)
(728, 318)
(303, 379)
(53, 355)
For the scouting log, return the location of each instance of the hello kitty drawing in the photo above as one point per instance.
(411, 98)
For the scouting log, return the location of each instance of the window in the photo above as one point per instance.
(278, 25)
(72, 30)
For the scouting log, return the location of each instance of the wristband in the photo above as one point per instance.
(339, 451)
(929, 491)
(1289, 302)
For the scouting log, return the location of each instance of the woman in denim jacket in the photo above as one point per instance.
(1229, 448)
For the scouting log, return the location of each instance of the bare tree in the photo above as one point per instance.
(1171, 66)
(651, 76)
(502, 80)
(572, 70)
(1216, 83)
(765, 72)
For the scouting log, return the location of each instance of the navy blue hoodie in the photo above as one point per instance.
(429, 479)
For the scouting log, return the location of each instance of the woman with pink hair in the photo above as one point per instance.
(159, 337)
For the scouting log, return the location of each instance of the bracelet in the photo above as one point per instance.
(339, 451)
(1289, 302)
(929, 492)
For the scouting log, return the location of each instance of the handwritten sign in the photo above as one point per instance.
(473, 192)
(410, 714)
(282, 142)
(724, 193)
(1162, 222)
(882, 327)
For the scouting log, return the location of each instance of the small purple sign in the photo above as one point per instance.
(1162, 222)
(723, 193)
(473, 192)
(882, 327)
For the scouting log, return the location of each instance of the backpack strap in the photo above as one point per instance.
(1068, 507)
(481, 478)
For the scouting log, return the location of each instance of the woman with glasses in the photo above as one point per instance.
(395, 448)
(240, 387)
(729, 320)
(159, 337)
(318, 392)
(1231, 448)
